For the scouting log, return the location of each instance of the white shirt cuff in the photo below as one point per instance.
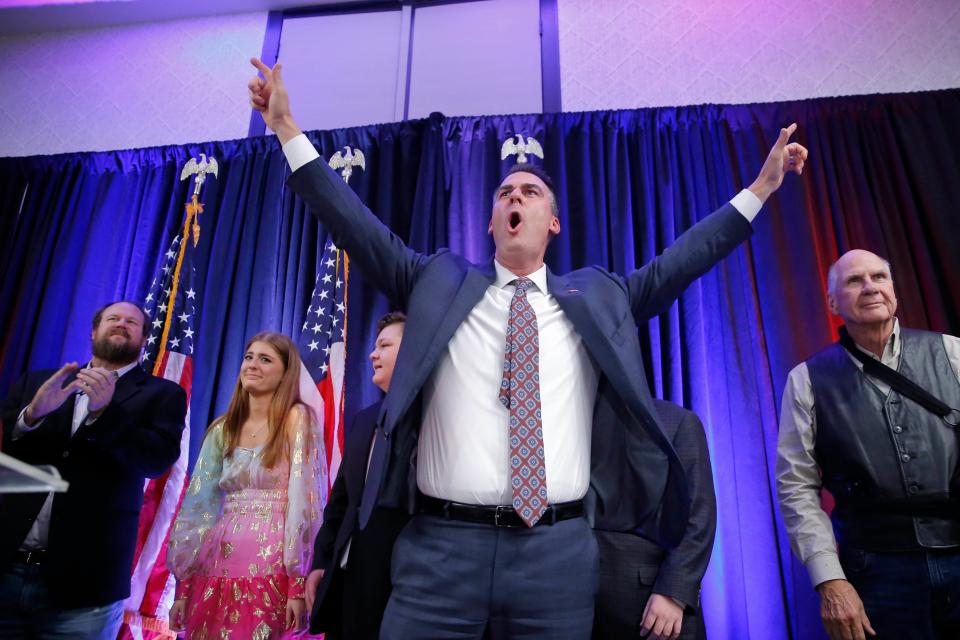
(299, 151)
(22, 427)
(824, 566)
(746, 202)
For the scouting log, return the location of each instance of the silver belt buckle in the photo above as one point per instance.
(497, 515)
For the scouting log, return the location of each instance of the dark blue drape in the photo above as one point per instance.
(80, 229)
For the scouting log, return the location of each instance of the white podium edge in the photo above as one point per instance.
(30, 479)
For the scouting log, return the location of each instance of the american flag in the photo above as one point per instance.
(171, 307)
(322, 345)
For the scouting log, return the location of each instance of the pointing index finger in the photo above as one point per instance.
(785, 135)
(262, 68)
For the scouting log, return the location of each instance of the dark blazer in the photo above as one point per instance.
(438, 292)
(632, 566)
(370, 549)
(93, 526)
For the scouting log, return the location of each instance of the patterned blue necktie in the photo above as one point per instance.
(520, 393)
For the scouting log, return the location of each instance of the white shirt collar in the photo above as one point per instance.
(505, 277)
(891, 350)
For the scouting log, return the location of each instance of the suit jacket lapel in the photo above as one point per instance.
(600, 346)
(363, 426)
(128, 384)
(577, 309)
(405, 387)
(63, 416)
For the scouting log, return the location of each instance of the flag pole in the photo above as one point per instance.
(193, 208)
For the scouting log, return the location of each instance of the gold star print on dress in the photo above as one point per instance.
(257, 526)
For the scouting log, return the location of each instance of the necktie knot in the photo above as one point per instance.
(522, 284)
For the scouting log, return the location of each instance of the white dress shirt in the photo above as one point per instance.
(464, 446)
(464, 451)
(39, 533)
(798, 473)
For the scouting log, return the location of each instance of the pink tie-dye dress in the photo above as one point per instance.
(243, 539)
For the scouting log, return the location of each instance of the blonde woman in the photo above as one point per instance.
(242, 541)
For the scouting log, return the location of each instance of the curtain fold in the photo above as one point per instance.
(77, 230)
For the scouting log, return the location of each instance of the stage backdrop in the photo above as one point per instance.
(884, 174)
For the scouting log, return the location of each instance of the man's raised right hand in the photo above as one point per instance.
(268, 95)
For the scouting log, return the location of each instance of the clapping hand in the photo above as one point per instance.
(98, 384)
(52, 393)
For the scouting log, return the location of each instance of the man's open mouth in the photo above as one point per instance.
(514, 220)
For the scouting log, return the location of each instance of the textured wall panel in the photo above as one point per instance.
(621, 54)
(133, 86)
(476, 58)
(342, 70)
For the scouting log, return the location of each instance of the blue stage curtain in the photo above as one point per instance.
(884, 174)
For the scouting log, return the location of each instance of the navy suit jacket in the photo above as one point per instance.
(370, 549)
(438, 291)
(93, 526)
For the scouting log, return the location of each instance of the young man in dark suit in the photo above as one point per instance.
(348, 588)
(65, 558)
(646, 589)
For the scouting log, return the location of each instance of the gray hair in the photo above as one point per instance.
(833, 274)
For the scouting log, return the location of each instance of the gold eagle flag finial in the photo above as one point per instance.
(199, 171)
(521, 148)
(346, 160)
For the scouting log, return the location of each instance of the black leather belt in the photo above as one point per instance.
(497, 516)
(34, 557)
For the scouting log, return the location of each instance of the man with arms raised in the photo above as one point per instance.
(851, 422)
(65, 558)
(505, 373)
